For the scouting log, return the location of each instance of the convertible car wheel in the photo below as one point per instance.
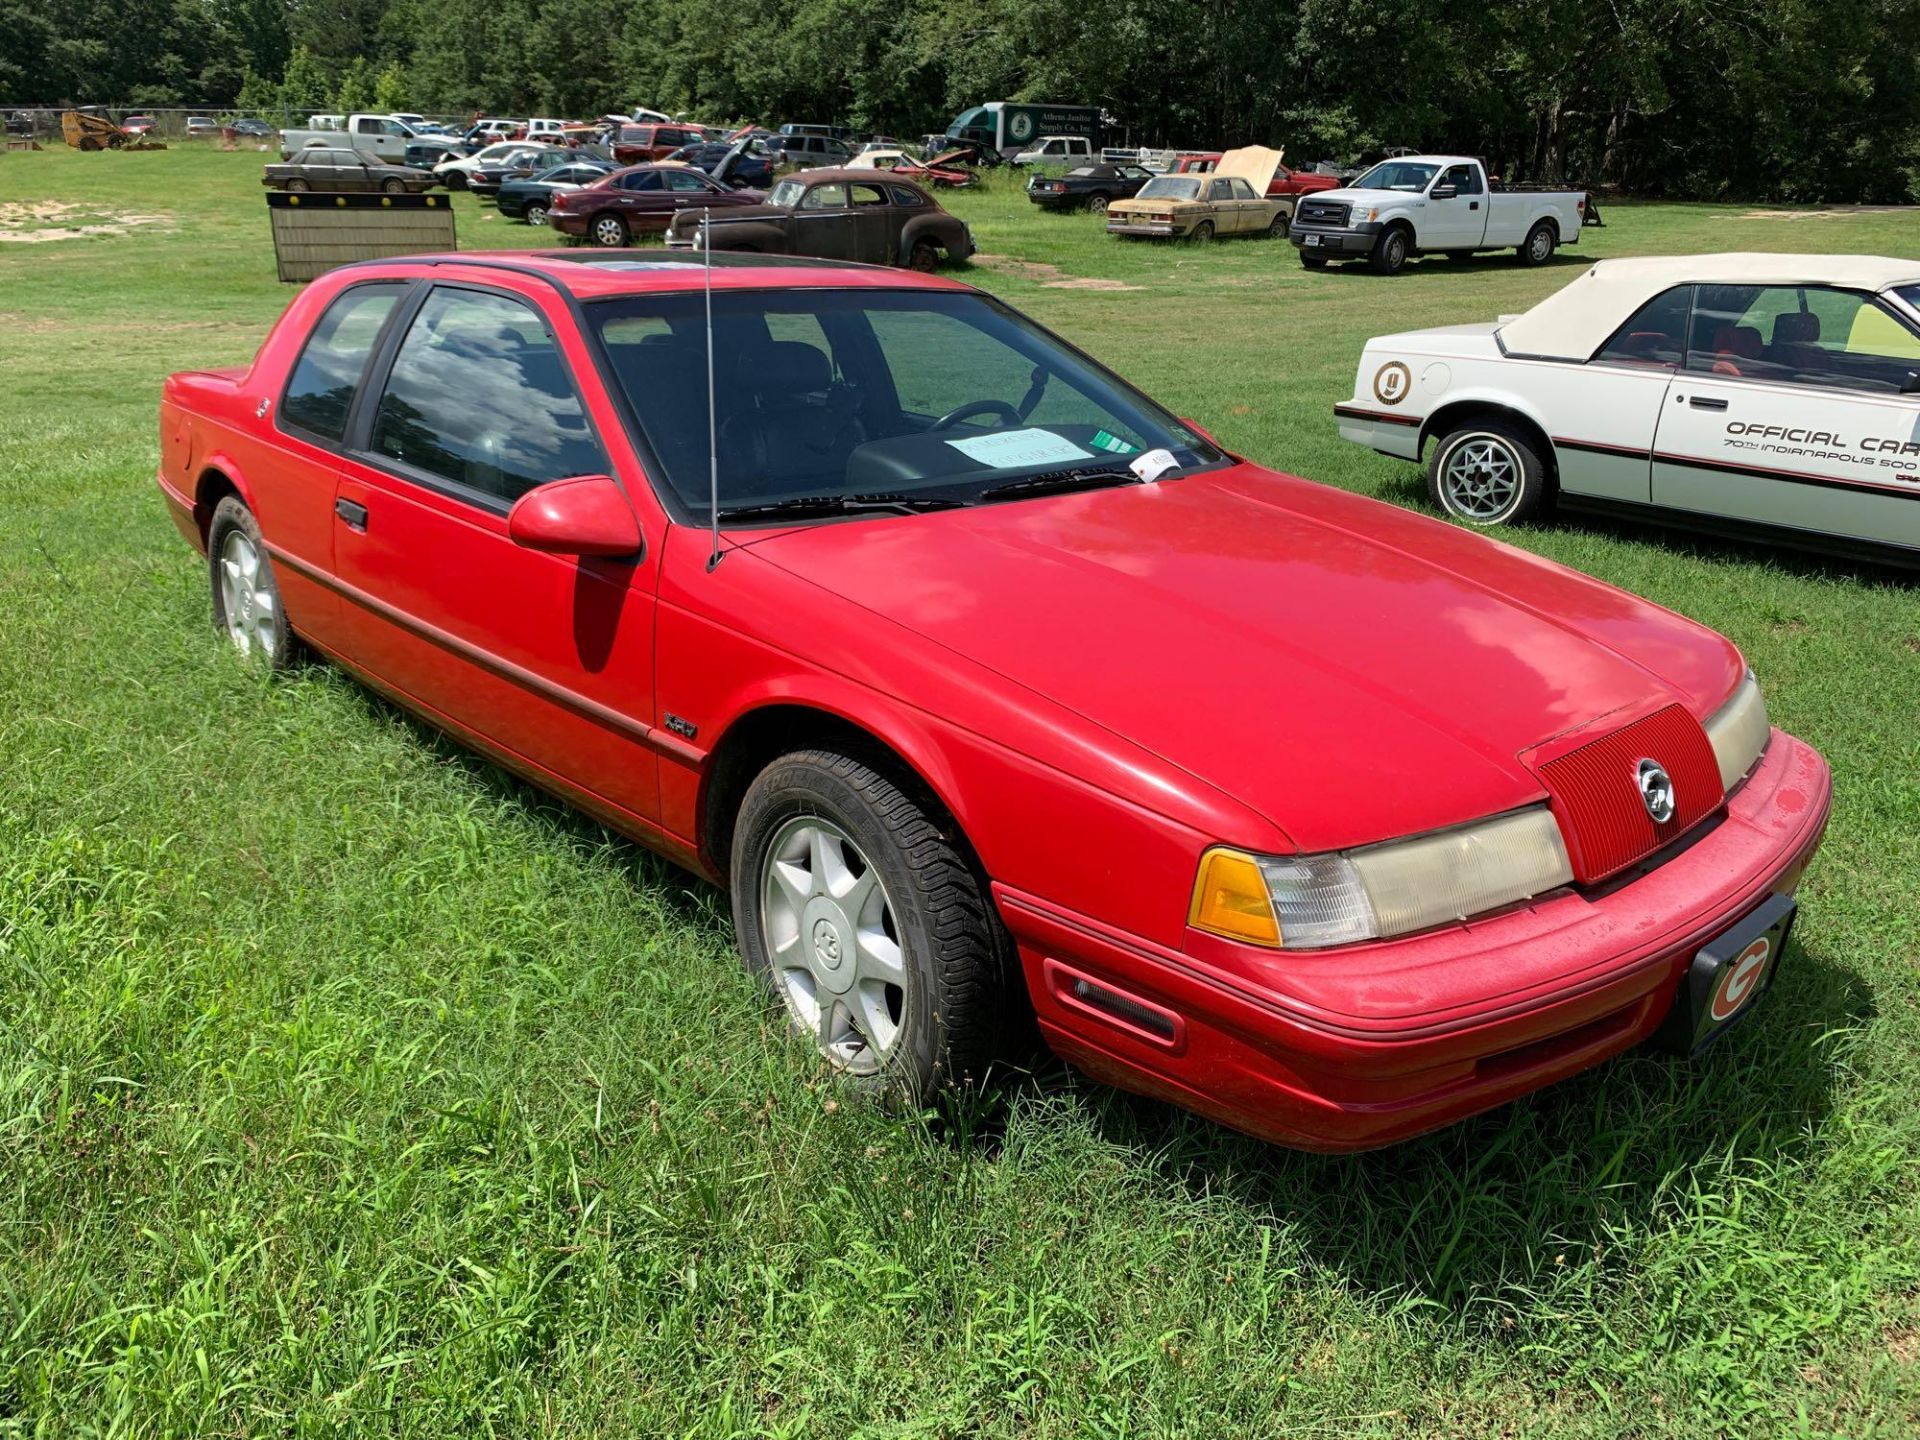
(1487, 473)
(246, 596)
(873, 929)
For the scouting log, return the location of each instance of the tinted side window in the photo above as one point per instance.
(478, 395)
(645, 180)
(867, 194)
(1464, 178)
(323, 383)
(903, 196)
(1657, 333)
(1804, 335)
(1220, 190)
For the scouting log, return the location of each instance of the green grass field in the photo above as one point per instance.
(347, 1086)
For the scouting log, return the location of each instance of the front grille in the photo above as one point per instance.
(1322, 212)
(1596, 792)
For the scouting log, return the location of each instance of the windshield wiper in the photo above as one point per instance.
(1057, 482)
(802, 506)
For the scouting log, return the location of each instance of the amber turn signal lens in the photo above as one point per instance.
(1230, 899)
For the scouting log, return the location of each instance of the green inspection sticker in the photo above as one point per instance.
(1112, 444)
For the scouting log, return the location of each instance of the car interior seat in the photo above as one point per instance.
(801, 427)
(1733, 345)
(1796, 341)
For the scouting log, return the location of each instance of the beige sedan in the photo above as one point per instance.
(1233, 200)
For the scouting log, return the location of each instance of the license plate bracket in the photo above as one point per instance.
(1313, 240)
(1727, 977)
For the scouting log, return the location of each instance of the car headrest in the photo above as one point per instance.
(1796, 327)
(791, 367)
(1741, 340)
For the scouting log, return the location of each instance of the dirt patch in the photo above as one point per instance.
(1051, 276)
(1827, 212)
(30, 222)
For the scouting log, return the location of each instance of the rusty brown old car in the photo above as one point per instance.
(881, 219)
(333, 169)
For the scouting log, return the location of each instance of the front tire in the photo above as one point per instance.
(1487, 473)
(1539, 245)
(609, 232)
(1312, 261)
(1390, 252)
(246, 592)
(1277, 230)
(858, 906)
(296, 187)
(536, 215)
(394, 187)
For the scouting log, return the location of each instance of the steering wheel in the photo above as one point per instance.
(977, 407)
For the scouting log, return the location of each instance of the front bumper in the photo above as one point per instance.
(1350, 1049)
(1352, 240)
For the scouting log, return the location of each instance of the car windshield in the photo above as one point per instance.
(1397, 175)
(925, 397)
(1171, 187)
(786, 194)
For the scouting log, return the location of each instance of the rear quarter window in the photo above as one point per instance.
(332, 363)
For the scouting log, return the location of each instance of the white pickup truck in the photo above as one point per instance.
(386, 136)
(1432, 204)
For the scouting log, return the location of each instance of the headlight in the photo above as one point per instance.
(1738, 731)
(1306, 901)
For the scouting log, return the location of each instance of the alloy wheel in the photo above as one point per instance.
(1481, 479)
(833, 944)
(609, 232)
(246, 599)
(536, 215)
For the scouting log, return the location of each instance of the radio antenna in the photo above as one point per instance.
(713, 419)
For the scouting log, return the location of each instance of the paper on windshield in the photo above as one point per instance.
(1016, 449)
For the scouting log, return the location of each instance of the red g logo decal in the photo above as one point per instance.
(1738, 980)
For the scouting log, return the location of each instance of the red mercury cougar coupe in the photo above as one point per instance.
(988, 686)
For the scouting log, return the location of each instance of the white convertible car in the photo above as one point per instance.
(1771, 394)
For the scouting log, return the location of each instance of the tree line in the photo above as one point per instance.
(1703, 99)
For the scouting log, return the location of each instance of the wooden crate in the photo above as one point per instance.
(314, 232)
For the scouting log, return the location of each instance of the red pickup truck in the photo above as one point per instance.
(1285, 181)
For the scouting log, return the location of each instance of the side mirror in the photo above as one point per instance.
(1444, 192)
(583, 515)
(1911, 385)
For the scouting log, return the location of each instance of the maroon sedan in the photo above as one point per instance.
(638, 200)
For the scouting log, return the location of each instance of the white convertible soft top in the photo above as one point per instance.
(1574, 323)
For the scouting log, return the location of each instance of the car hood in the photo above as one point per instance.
(1346, 196)
(1347, 669)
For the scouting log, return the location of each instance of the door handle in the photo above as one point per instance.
(1706, 402)
(1474, 206)
(351, 511)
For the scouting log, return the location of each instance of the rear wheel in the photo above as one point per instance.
(877, 935)
(1201, 233)
(536, 214)
(246, 593)
(1390, 252)
(1539, 245)
(609, 231)
(297, 187)
(924, 256)
(1486, 472)
(1098, 203)
(394, 187)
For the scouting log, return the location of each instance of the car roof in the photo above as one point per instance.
(1577, 321)
(591, 275)
(823, 173)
